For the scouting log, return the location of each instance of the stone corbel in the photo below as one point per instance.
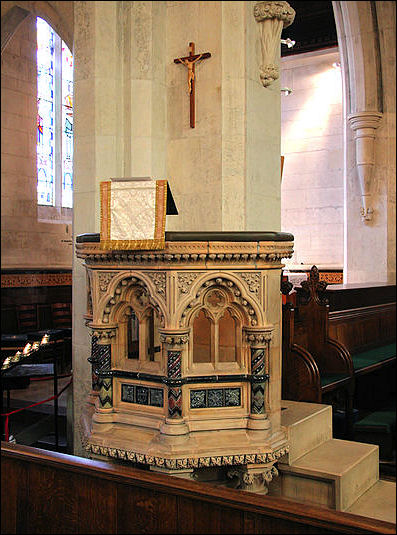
(364, 125)
(273, 17)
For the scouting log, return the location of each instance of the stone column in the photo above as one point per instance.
(174, 343)
(259, 341)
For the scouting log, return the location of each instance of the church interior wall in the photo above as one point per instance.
(32, 236)
(312, 144)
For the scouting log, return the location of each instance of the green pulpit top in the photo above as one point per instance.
(210, 236)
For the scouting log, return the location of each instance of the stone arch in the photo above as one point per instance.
(122, 288)
(59, 16)
(359, 48)
(232, 288)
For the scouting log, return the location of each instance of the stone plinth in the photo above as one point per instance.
(186, 352)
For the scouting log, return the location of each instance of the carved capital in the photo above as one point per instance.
(174, 338)
(104, 335)
(253, 480)
(364, 125)
(259, 337)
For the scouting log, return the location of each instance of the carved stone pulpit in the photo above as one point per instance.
(186, 353)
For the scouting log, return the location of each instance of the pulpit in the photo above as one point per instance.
(186, 353)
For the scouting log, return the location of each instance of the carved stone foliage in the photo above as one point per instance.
(217, 299)
(139, 298)
(253, 481)
(104, 279)
(253, 281)
(185, 280)
(272, 17)
(258, 337)
(175, 254)
(179, 463)
(104, 336)
(159, 280)
(174, 339)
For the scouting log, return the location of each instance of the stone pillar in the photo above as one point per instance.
(259, 341)
(101, 366)
(224, 173)
(174, 343)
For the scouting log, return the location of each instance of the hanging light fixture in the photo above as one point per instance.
(287, 42)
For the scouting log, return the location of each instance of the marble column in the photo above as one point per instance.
(174, 343)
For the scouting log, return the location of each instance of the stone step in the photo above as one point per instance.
(334, 475)
(308, 425)
(378, 502)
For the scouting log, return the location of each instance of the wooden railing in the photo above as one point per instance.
(47, 492)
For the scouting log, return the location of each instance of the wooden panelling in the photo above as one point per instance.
(47, 492)
(364, 327)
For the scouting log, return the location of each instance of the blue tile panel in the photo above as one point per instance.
(209, 398)
(142, 395)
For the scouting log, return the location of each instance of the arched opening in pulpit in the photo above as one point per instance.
(202, 338)
(217, 334)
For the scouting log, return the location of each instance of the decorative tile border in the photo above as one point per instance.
(28, 280)
(207, 398)
(142, 395)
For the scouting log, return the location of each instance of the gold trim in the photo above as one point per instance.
(161, 209)
(105, 192)
(126, 245)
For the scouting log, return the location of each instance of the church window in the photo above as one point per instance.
(54, 119)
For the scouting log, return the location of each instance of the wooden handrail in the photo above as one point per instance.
(224, 499)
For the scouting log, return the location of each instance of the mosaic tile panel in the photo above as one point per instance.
(215, 397)
(142, 395)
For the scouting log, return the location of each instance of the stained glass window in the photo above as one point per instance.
(45, 114)
(54, 119)
(67, 127)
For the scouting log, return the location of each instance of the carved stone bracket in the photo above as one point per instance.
(273, 17)
(364, 125)
(254, 479)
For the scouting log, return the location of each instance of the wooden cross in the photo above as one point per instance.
(190, 62)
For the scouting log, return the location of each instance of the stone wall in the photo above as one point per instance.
(312, 144)
(26, 241)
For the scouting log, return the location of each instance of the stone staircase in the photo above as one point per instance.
(338, 474)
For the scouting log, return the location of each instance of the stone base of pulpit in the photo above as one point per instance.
(186, 354)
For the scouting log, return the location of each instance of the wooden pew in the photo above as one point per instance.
(316, 367)
(363, 341)
(47, 492)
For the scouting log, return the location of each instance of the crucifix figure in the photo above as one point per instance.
(190, 62)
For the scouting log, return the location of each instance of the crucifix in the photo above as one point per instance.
(190, 62)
